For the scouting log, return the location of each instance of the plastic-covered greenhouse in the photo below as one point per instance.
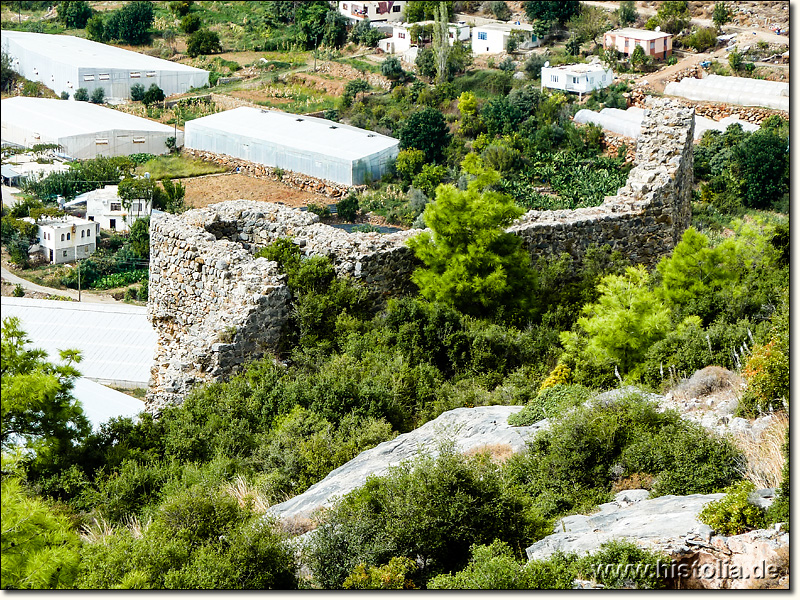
(629, 122)
(83, 130)
(65, 63)
(732, 90)
(309, 145)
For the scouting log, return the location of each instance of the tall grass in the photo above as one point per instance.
(177, 167)
(764, 452)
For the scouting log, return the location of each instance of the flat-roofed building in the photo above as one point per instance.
(309, 145)
(580, 78)
(82, 130)
(65, 63)
(654, 43)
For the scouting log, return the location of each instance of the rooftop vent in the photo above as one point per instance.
(298, 119)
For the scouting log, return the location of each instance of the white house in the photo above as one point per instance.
(492, 38)
(580, 78)
(401, 39)
(66, 239)
(657, 44)
(105, 207)
(373, 11)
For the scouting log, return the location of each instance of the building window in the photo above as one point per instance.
(116, 206)
(652, 45)
(554, 78)
(104, 77)
(89, 231)
(88, 77)
(626, 43)
(151, 73)
(65, 254)
(112, 223)
(397, 8)
(135, 75)
(62, 237)
(481, 35)
(139, 140)
(67, 236)
(83, 233)
(401, 36)
(101, 141)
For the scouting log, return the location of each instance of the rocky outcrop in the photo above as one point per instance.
(470, 429)
(696, 557)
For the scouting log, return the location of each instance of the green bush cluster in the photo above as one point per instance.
(549, 403)
(734, 514)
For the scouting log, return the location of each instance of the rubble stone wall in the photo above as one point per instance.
(214, 306)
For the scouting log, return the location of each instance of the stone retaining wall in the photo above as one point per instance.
(215, 307)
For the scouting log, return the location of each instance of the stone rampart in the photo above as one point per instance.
(214, 306)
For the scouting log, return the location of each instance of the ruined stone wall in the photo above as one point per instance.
(215, 307)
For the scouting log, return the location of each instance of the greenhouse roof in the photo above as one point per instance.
(309, 134)
(80, 52)
(64, 118)
(116, 340)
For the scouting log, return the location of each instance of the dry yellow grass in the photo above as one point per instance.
(246, 495)
(764, 452)
(498, 453)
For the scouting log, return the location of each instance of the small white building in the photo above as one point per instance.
(373, 11)
(402, 40)
(66, 239)
(580, 78)
(105, 207)
(492, 38)
(657, 44)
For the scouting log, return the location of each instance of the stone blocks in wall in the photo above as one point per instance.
(216, 307)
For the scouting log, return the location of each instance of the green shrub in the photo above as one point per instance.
(432, 509)
(621, 564)
(549, 403)
(137, 92)
(733, 514)
(81, 95)
(19, 291)
(494, 567)
(319, 210)
(347, 208)
(391, 576)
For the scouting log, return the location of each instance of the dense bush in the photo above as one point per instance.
(549, 403)
(572, 465)
(733, 514)
(433, 509)
(622, 564)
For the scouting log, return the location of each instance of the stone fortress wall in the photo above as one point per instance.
(214, 306)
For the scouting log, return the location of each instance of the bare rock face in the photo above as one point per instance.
(471, 429)
(696, 557)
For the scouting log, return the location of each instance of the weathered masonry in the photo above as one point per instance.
(215, 306)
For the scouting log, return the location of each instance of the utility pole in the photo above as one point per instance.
(78, 263)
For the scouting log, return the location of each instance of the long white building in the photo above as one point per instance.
(83, 130)
(65, 63)
(309, 145)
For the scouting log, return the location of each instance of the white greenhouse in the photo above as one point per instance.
(732, 90)
(65, 63)
(629, 122)
(83, 130)
(309, 145)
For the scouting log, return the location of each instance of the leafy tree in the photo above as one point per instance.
(425, 10)
(426, 130)
(39, 549)
(98, 96)
(364, 34)
(353, 88)
(673, 15)
(171, 200)
(762, 163)
(153, 94)
(590, 22)
(409, 162)
(131, 23)
(203, 41)
(735, 60)
(96, 29)
(557, 10)
(441, 43)
(392, 69)
(335, 34)
(573, 46)
(181, 7)
(65, 95)
(8, 76)
(429, 178)
(627, 13)
(191, 23)
(37, 405)
(82, 95)
(638, 57)
(140, 238)
(501, 116)
(470, 262)
(626, 319)
(500, 10)
(74, 14)
(137, 92)
(467, 104)
(721, 14)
